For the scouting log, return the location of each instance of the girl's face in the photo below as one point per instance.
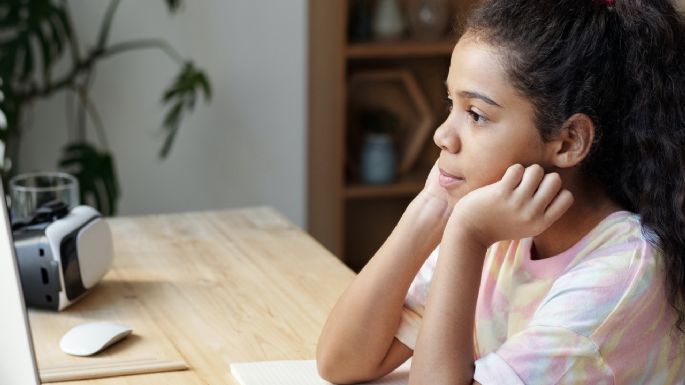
(490, 125)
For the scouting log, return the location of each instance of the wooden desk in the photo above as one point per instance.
(222, 287)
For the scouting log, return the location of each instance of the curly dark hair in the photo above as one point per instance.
(622, 64)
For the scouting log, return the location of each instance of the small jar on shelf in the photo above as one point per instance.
(378, 157)
(388, 20)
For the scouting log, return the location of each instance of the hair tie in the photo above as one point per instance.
(608, 3)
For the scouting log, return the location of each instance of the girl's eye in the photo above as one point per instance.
(448, 104)
(478, 118)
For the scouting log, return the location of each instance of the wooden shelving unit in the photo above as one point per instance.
(350, 218)
(401, 49)
(409, 185)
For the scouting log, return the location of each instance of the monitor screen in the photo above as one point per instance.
(17, 361)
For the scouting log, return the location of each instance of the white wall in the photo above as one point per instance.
(246, 148)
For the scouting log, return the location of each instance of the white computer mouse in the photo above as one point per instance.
(90, 338)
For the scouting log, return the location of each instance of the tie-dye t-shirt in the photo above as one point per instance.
(594, 314)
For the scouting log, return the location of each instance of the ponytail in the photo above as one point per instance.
(654, 127)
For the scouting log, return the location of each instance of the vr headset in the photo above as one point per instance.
(61, 254)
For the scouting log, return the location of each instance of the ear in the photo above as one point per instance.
(573, 141)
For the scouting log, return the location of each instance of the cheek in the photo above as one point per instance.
(491, 163)
(492, 159)
(489, 174)
(511, 144)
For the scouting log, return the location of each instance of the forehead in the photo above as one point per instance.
(478, 67)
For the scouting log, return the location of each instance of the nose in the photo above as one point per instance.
(446, 137)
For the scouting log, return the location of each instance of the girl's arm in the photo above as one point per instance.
(444, 349)
(524, 203)
(357, 342)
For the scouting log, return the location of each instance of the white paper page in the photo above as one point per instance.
(299, 373)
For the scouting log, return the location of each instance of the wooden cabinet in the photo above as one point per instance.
(407, 76)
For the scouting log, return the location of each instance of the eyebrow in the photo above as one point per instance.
(476, 95)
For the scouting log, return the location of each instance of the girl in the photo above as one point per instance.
(557, 202)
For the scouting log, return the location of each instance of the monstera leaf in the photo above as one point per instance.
(33, 36)
(28, 24)
(182, 96)
(95, 173)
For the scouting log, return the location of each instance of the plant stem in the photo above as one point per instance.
(73, 39)
(69, 107)
(82, 92)
(145, 44)
(89, 107)
(107, 23)
(81, 116)
(94, 56)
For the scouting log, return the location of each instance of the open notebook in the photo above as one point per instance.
(299, 373)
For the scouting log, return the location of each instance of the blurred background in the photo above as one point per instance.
(323, 109)
(245, 147)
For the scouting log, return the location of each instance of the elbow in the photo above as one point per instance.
(336, 374)
(337, 369)
(330, 368)
(327, 371)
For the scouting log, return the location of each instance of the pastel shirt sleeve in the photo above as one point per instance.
(415, 301)
(583, 308)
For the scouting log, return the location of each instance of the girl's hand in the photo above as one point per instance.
(524, 203)
(434, 199)
(433, 188)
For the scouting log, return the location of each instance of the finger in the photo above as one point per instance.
(558, 207)
(547, 190)
(530, 181)
(512, 177)
(433, 174)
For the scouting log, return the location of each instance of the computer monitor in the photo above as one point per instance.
(17, 359)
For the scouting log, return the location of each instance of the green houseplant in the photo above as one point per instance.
(37, 34)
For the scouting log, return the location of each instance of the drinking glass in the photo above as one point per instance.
(30, 191)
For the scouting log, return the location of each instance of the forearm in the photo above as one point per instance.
(362, 325)
(444, 351)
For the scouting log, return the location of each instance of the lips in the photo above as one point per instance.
(448, 180)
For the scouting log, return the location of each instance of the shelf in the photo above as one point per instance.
(377, 50)
(396, 91)
(405, 187)
(346, 77)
